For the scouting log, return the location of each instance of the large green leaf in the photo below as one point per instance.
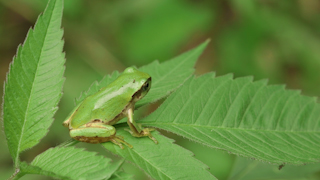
(250, 119)
(161, 161)
(75, 163)
(34, 83)
(166, 77)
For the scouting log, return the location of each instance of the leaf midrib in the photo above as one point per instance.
(226, 128)
(146, 160)
(32, 87)
(292, 155)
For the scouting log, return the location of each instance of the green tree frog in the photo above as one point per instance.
(91, 120)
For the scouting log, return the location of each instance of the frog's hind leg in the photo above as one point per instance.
(97, 133)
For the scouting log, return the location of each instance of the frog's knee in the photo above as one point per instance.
(66, 123)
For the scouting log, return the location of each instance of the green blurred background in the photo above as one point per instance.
(278, 40)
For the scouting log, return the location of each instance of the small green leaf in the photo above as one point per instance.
(166, 77)
(34, 82)
(161, 161)
(75, 163)
(250, 119)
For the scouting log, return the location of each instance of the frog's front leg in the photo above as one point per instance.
(97, 133)
(136, 130)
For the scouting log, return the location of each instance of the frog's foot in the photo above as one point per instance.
(144, 132)
(118, 140)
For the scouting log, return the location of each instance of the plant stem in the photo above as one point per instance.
(17, 174)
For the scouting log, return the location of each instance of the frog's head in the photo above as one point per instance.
(146, 85)
(141, 81)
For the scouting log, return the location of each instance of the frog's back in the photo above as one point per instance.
(109, 101)
(103, 106)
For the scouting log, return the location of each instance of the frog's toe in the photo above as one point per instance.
(128, 130)
(147, 132)
(120, 137)
(118, 140)
(143, 133)
(153, 139)
(117, 143)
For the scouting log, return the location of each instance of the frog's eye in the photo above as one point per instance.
(146, 86)
(143, 90)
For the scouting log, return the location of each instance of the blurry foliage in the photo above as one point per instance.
(278, 40)
(272, 41)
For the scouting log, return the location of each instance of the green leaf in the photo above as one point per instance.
(161, 161)
(34, 82)
(166, 77)
(245, 169)
(75, 163)
(29, 169)
(121, 175)
(246, 118)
